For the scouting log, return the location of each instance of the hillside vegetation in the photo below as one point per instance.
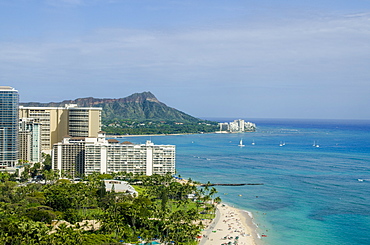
(139, 113)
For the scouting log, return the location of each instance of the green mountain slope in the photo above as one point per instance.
(138, 106)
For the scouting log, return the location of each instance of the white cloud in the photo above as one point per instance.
(301, 55)
(296, 46)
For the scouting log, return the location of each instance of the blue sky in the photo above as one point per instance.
(244, 59)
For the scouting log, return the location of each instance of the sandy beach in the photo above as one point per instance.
(231, 226)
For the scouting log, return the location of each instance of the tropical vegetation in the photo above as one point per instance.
(135, 127)
(51, 210)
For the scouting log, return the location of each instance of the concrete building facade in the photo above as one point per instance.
(57, 122)
(29, 140)
(89, 155)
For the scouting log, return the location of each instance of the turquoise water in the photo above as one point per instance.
(311, 195)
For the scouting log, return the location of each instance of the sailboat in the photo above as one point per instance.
(241, 143)
(253, 143)
(315, 145)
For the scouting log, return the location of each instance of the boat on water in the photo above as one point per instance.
(315, 145)
(241, 143)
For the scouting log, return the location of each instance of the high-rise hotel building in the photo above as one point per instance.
(88, 155)
(58, 122)
(9, 103)
(29, 140)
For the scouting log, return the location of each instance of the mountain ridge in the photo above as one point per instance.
(137, 106)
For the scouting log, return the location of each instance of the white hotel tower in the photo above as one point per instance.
(88, 155)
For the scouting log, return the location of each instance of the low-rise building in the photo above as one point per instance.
(119, 186)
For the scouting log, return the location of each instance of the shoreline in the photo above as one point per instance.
(230, 225)
(139, 135)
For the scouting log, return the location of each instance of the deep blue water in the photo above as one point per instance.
(311, 195)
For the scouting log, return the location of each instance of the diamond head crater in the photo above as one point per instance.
(139, 114)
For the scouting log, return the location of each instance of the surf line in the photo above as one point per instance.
(209, 184)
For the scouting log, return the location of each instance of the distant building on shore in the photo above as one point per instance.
(83, 155)
(237, 126)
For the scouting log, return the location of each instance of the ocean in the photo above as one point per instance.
(315, 175)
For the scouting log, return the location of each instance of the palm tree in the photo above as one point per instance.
(211, 193)
(217, 200)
